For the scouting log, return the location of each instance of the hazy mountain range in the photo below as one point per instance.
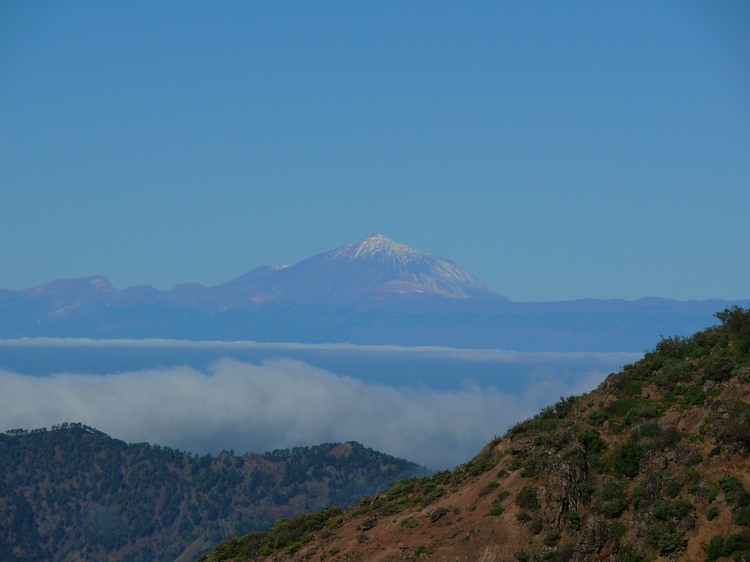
(375, 291)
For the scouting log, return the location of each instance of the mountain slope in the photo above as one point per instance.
(373, 268)
(73, 493)
(652, 465)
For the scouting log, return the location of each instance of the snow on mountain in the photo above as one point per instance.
(380, 248)
(405, 270)
(373, 268)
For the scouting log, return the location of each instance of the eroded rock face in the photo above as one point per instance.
(652, 467)
(597, 543)
(653, 463)
(563, 476)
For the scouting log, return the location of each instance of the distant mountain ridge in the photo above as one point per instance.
(374, 291)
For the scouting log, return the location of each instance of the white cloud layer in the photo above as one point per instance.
(459, 353)
(276, 404)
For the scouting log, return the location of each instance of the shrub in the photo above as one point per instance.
(618, 529)
(645, 411)
(596, 417)
(673, 347)
(672, 488)
(732, 487)
(719, 368)
(646, 429)
(523, 516)
(737, 542)
(551, 537)
(572, 518)
(591, 441)
(694, 396)
(480, 464)
(719, 547)
(736, 320)
(697, 351)
(612, 490)
(585, 490)
(533, 464)
(674, 371)
(289, 534)
(736, 427)
(491, 485)
(547, 420)
(527, 498)
(619, 408)
(667, 511)
(668, 437)
(741, 515)
(714, 548)
(627, 459)
(630, 555)
(712, 512)
(614, 508)
(667, 540)
(639, 495)
(694, 459)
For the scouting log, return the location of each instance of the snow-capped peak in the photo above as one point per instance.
(379, 247)
(378, 265)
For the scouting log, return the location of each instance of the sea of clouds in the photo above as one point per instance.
(280, 403)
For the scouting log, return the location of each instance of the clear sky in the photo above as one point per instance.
(555, 150)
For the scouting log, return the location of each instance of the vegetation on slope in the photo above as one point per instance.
(651, 465)
(75, 492)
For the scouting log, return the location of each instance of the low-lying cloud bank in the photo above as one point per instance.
(279, 403)
(458, 353)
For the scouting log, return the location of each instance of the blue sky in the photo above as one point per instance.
(555, 150)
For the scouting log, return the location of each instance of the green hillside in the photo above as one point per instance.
(74, 493)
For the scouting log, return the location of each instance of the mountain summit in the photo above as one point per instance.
(376, 267)
(405, 270)
(379, 248)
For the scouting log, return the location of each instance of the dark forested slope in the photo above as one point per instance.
(74, 493)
